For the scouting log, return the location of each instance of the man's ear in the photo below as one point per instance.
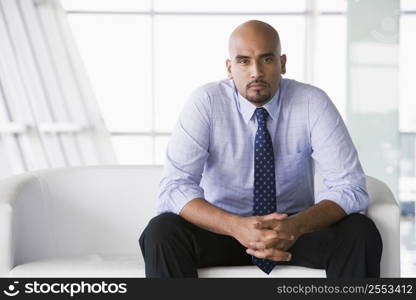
(283, 59)
(228, 65)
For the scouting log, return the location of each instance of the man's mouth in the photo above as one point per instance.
(257, 85)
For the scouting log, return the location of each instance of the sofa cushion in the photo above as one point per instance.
(82, 266)
(130, 266)
(254, 272)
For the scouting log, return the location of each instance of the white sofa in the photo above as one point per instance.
(86, 222)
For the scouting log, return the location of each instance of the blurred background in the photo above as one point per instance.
(102, 81)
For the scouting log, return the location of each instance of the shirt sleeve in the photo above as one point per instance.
(335, 156)
(186, 154)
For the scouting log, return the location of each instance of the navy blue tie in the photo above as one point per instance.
(264, 179)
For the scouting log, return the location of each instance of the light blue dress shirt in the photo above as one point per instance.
(211, 152)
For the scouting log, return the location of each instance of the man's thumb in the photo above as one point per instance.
(274, 216)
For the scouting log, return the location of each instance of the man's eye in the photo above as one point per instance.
(268, 59)
(243, 61)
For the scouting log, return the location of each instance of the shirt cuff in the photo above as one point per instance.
(350, 201)
(177, 197)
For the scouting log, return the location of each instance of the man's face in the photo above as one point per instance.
(256, 66)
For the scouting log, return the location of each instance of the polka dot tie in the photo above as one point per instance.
(264, 179)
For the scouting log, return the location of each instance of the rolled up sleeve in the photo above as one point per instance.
(186, 154)
(335, 156)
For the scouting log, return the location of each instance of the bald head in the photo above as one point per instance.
(253, 31)
(255, 63)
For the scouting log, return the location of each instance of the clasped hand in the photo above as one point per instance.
(268, 236)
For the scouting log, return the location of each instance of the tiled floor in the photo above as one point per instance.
(408, 247)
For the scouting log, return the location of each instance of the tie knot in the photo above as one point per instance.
(261, 115)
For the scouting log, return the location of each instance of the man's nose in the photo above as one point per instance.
(256, 70)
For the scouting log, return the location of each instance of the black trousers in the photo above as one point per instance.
(174, 247)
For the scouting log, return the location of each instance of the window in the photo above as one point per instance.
(145, 59)
(117, 54)
(407, 111)
(48, 117)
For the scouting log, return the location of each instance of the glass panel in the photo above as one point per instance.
(407, 183)
(133, 149)
(201, 53)
(229, 5)
(332, 5)
(161, 142)
(408, 5)
(117, 54)
(373, 84)
(10, 158)
(108, 5)
(407, 73)
(407, 114)
(6, 169)
(330, 58)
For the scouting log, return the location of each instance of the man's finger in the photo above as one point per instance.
(257, 245)
(269, 221)
(267, 224)
(270, 242)
(272, 254)
(274, 216)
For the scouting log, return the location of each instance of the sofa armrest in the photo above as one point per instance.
(9, 193)
(6, 257)
(384, 210)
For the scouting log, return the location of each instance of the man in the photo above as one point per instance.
(237, 187)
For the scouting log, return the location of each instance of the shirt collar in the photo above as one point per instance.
(247, 108)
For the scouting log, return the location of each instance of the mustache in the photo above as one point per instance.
(257, 82)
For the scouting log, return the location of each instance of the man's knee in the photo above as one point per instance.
(160, 228)
(360, 227)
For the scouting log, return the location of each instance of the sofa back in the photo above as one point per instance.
(101, 210)
(83, 210)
